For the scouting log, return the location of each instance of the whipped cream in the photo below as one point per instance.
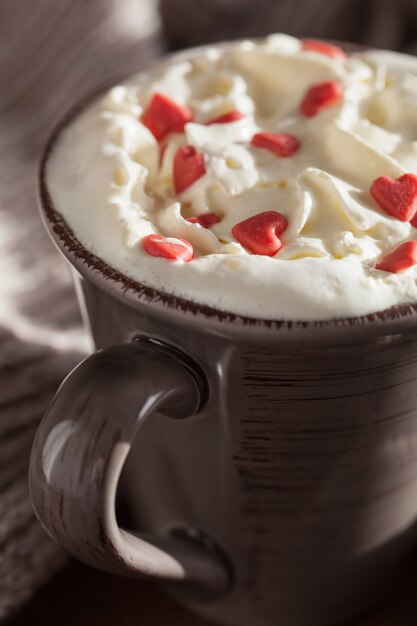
(107, 179)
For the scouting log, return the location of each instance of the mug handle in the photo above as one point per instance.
(81, 446)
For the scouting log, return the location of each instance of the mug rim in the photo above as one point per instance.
(138, 294)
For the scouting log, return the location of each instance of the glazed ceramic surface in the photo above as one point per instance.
(272, 473)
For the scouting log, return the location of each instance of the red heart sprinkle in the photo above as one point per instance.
(206, 220)
(396, 197)
(232, 116)
(401, 259)
(282, 145)
(164, 116)
(320, 97)
(260, 233)
(168, 248)
(189, 166)
(324, 48)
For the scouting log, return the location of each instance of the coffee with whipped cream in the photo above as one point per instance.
(273, 179)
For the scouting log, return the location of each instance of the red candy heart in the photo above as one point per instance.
(282, 145)
(401, 259)
(168, 248)
(260, 233)
(206, 220)
(324, 48)
(320, 97)
(189, 166)
(232, 116)
(164, 116)
(396, 197)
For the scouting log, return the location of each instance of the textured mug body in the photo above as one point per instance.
(301, 468)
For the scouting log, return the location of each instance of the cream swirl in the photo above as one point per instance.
(107, 179)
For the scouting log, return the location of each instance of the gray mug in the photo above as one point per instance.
(274, 477)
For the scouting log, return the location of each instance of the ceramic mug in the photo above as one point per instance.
(274, 477)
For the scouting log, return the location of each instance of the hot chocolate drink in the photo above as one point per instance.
(273, 179)
(271, 466)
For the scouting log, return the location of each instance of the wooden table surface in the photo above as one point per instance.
(81, 596)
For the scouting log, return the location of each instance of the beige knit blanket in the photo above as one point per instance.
(51, 53)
